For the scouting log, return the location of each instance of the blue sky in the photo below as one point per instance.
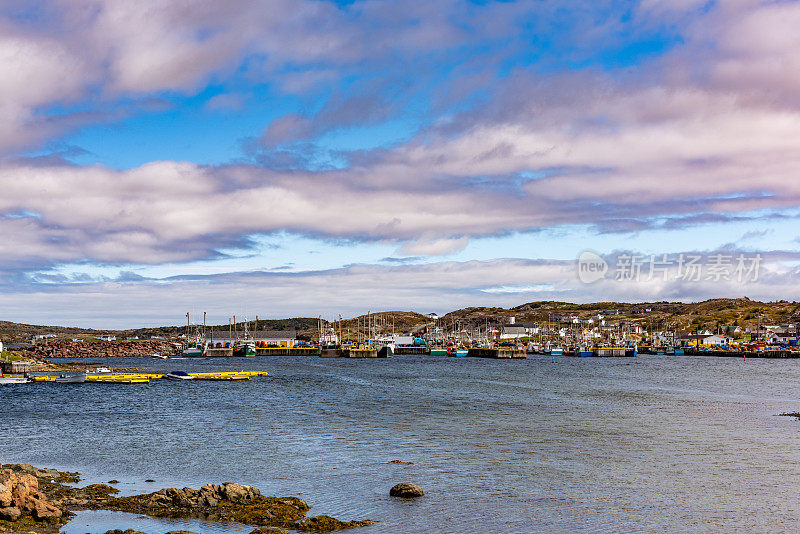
(400, 156)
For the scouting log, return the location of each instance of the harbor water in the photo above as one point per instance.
(644, 444)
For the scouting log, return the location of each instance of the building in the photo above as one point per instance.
(714, 340)
(516, 330)
(220, 339)
(275, 338)
(17, 367)
(107, 338)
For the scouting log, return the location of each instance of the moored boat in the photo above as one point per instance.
(12, 379)
(178, 375)
(75, 378)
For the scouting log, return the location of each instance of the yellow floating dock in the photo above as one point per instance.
(144, 378)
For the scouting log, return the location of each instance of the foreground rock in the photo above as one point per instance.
(38, 500)
(406, 490)
(23, 505)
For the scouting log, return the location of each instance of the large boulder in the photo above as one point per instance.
(406, 490)
(44, 511)
(20, 495)
(10, 513)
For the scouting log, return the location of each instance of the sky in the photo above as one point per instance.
(287, 158)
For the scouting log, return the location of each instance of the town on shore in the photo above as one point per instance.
(717, 326)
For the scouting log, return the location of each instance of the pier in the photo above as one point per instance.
(359, 353)
(497, 353)
(403, 351)
(287, 351)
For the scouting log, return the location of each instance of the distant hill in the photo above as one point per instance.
(680, 316)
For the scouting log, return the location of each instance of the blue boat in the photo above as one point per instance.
(584, 353)
(556, 352)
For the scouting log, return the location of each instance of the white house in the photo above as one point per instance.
(714, 340)
(107, 338)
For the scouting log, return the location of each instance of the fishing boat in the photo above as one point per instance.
(192, 351)
(244, 348)
(557, 351)
(384, 347)
(178, 375)
(73, 378)
(457, 353)
(585, 352)
(438, 352)
(159, 356)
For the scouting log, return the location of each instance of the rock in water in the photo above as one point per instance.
(406, 490)
(270, 530)
(326, 523)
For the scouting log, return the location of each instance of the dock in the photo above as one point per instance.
(287, 351)
(359, 353)
(406, 350)
(500, 353)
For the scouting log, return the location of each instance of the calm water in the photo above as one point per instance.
(616, 445)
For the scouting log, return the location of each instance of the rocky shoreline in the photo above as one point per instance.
(40, 501)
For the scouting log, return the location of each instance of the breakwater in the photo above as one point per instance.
(96, 349)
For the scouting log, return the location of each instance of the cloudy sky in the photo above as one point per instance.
(305, 157)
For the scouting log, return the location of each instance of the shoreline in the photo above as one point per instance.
(41, 501)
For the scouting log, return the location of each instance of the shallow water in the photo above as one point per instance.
(583, 445)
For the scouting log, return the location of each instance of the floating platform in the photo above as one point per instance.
(144, 378)
(497, 353)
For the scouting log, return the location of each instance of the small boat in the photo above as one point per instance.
(438, 352)
(557, 352)
(159, 356)
(12, 379)
(178, 375)
(103, 370)
(72, 378)
(458, 353)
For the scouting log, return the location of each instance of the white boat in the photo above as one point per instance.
(12, 379)
(159, 356)
(178, 375)
(102, 370)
